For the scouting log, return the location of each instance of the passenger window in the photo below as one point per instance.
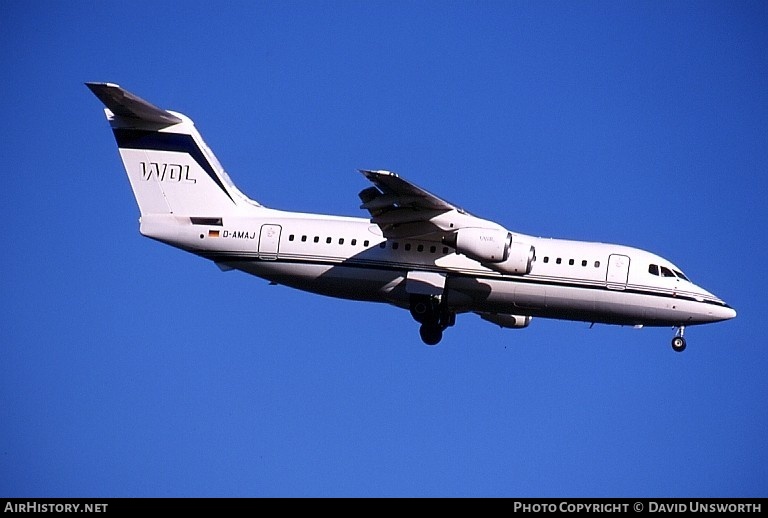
(365, 243)
(395, 245)
(317, 239)
(597, 264)
(407, 246)
(303, 239)
(584, 262)
(290, 238)
(432, 249)
(558, 261)
(328, 240)
(445, 249)
(653, 269)
(570, 262)
(341, 240)
(546, 259)
(383, 244)
(353, 242)
(420, 248)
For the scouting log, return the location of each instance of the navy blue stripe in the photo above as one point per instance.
(177, 142)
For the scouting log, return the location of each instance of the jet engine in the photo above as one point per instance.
(519, 260)
(508, 321)
(494, 249)
(482, 244)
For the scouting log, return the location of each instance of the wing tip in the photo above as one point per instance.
(377, 172)
(97, 84)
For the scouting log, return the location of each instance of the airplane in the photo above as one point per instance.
(416, 251)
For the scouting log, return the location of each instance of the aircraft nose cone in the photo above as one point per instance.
(725, 312)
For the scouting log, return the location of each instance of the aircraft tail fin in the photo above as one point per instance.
(169, 166)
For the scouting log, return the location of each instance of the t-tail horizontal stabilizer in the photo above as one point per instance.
(125, 104)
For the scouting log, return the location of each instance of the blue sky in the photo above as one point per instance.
(128, 368)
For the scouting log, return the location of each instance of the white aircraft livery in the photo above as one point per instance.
(416, 251)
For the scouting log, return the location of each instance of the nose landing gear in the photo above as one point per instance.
(678, 342)
(433, 316)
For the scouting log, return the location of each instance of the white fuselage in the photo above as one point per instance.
(349, 258)
(417, 251)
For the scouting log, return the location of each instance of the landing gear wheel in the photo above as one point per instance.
(431, 335)
(421, 311)
(433, 315)
(678, 344)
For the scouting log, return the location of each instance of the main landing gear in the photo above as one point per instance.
(433, 316)
(678, 342)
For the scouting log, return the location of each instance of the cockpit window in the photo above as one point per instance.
(655, 269)
(666, 272)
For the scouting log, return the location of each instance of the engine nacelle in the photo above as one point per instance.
(508, 321)
(519, 260)
(482, 244)
(494, 249)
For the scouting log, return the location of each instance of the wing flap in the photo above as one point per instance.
(403, 216)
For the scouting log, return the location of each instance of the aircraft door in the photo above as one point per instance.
(269, 242)
(618, 272)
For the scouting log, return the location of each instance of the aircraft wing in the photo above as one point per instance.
(395, 192)
(404, 210)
